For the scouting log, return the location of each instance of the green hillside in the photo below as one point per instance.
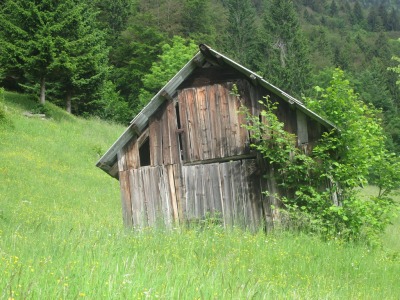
(47, 168)
(61, 233)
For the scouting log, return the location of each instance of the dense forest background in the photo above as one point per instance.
(107, 57)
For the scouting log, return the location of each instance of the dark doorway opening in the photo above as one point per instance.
(144, 153)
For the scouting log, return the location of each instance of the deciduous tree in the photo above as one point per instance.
(174, 56)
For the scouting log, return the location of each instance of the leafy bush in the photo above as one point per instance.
(174, 56)
(320, 191)
(111, 106)
(40, 108)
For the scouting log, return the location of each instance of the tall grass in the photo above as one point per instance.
(61, 234)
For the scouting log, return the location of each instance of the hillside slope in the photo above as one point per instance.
(47, 168)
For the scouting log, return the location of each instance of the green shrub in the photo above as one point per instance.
(321, 190)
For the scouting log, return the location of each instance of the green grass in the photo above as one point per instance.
(61, 234)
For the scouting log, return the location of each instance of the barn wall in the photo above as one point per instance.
(211, 124)
(199, 162)
(231, 191)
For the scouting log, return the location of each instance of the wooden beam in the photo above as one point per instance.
(221, 159)
(253, 79)
(166, 95)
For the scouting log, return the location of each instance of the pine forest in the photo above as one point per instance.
(107, 58)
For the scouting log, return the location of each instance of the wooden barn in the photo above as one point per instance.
(185, 156)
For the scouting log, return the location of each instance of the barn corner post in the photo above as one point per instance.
(185, 156)
(126, 202)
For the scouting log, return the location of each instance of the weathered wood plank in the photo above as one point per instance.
(155, 142)
(224, 121)
(302, 130)
(226, 194)
(143, 197)
(121, 155)
(245, 201)
(199, 192)
(184, 125)
(148, 194)
(237, 193)
(234, 128)
(164, 202)
(173, 135)
(204, 122)
(172, 191)
(215, 128)
(208, 200)
(180, 191)
(125, 198)
(166, 146)
(189, 175)
(244, 142)
(215, 187)
(138, 206)
(193, 125)
(254, 178)
(135, 199)
(131, 150)
(271, 200)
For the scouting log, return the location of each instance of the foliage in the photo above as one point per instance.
(288, 64)
(197, 21)
(54, 44)
(112, 106)
(362, 155)
(396, 69)
(79, 70)
(113, 16)
(27, 45)
(174, 56)
(240, 35)
(322, 188)
(306, 36)
(136, 49)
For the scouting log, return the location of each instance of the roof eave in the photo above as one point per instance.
(255, 78)
(108, 161)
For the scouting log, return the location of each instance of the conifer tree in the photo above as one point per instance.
(287, 58)
(196, 21)
(27, 40)
(53, 42)
(241, 32)
(134, 53)
(357, 16)
(81, 64)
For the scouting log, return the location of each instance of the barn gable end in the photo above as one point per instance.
(185, 156)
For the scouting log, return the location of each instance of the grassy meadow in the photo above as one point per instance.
(61, 234)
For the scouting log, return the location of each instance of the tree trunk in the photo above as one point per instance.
(42, 98)
(68, 101)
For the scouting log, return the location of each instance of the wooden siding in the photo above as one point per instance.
(164, 147)
(161, 195)
(211, 124)
(230, 190)
(200, 162)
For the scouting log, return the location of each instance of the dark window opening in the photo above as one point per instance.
(180, 131)
(178, 116)
(144, 153)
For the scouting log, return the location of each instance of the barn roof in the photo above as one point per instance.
(108, 162)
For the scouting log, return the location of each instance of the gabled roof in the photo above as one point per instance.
(108, 162)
